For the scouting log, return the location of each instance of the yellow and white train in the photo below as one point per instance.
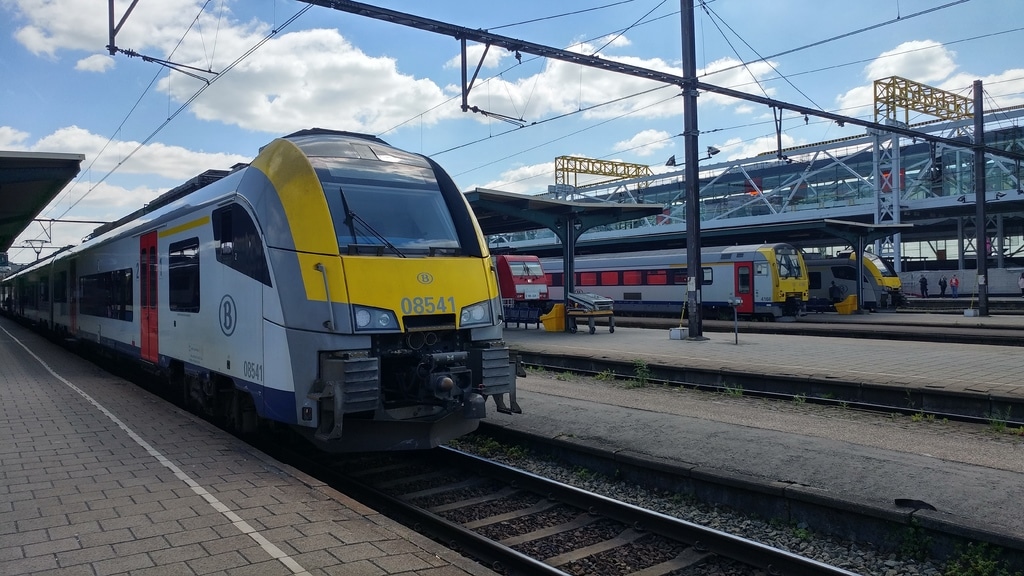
(770, 281)
(335, 284)
(882, 287)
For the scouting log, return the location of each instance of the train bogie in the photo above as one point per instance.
(336, 285)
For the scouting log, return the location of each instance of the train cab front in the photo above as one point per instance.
(400, 292)
(432, 355)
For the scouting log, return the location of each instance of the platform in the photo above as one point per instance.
(101, 477)
(934, 366)
(971, 474)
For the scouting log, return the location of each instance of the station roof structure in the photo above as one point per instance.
(507, 212)
(803, 233)
(28, 182)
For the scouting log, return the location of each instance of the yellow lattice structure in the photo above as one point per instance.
(573, 166)
(895, 93)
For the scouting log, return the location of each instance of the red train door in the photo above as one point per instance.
(148, 297)
(744, 287)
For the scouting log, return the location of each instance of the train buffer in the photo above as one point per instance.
(590, 306)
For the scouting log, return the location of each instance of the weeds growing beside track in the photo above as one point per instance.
(734, 390)
(642, 372)
(978, 560)
(998, 421)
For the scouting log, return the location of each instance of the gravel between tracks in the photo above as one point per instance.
(862, 559)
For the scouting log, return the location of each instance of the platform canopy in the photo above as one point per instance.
(28, 182)
(507, 212)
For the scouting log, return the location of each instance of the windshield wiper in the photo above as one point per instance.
(351, 219)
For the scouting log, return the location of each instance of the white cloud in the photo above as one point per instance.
(95, 63)
(644, 143)
(735, 148)
(49, 27)
(12, 138)
(924, 61)
(312, 78)
(89, 199)
(1001, 90)
(172, 162)
(531, 179)
(495, 56)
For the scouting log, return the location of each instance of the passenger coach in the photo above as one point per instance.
(336, 285)
(769, 279)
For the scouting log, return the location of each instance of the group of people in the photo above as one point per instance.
(953, 284)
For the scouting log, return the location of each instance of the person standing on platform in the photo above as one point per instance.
(954, 286)
(1020, 284)
(924, 286)
(942, 287)
(835, 293)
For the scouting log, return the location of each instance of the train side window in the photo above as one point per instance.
(743, 280)
(609, 278)
(239, 244)
(761, 269)
(587, 279)
(60, 288)
(657, 278)
(107, 294)
(183, 275)
(815, 281)
(708, 276)
(844, 272)
(631, 278)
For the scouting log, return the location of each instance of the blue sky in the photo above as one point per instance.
(63, 92)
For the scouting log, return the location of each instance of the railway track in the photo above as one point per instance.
(519, 523)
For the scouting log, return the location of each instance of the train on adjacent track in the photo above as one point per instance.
(769, 281)
(881, 286)
(335, 285)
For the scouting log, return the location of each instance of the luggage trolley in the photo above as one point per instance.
(590, 306)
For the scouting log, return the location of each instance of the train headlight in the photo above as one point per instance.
(363, 317)
(375, 319)
(478, 314)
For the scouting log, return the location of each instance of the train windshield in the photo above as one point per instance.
(789, 263)
(402, 215)
(521, 268)
(883, 268)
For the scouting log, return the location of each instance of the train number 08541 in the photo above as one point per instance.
(253, 371)
(428, 305)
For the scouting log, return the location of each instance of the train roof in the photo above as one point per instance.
(312, 141)
(732, 249)
(659, 257)
(326, 132)
(198, 182)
